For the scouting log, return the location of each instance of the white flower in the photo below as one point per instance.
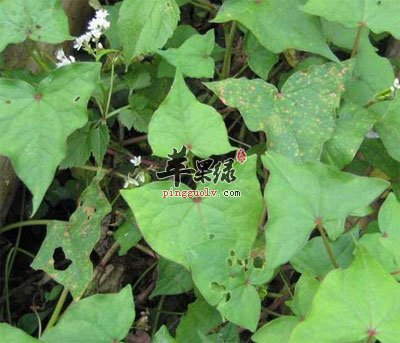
(129, 182)
(62, 59)
(82, 40)
(101, 14)
(396, 84)
(136, 160)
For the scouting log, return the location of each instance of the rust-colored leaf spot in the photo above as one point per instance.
(371, 332)
(189, 146)
(318, 221)
(196, 199)
(38, 96)
(385, 234)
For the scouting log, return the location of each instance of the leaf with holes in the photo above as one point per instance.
(43, 21)
(300, 118)
(182, 120)
(145, 26)
(77, 239)
(38, 121)
(314, 194)
(172, 225)
(229, 281)
(278, 25)
(101, 318)
(379, 16)
(353, 305)
(193, 57)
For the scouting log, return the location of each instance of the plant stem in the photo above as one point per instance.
(327, 246)
(110, 91)
(117, 111)
(208, 7)
(286, 282)
(357, 40)
(25, 223)
(146, 250)
(106, 171)
(57, 310)
(156, 320)
(143, 275)
(226, 67)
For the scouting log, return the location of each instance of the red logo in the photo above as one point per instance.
(241, 156)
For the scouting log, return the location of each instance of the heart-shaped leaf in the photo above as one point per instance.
(77, 239)
(277, 330)
(43, 21)
(300, 118)
(145, 26)
(35, 122)
(278, 25)
(314, 194)
(356, 304)
(379, 16)
(182, 120)
(101, 318)
(193, 57)
(172, 225)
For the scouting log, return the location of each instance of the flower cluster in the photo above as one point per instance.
(63, 59)
(97, 26)
(137, 179)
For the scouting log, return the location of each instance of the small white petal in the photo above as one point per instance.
(136, 160)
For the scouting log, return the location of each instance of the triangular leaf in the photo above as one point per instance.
(182, 120)
(314, 194)
(172, 225)
(352, 305)
(36, 121)
(193, 56)
(300, 118)
(101, 318)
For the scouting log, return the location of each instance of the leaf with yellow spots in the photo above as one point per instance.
(299, 118)
(77, 239)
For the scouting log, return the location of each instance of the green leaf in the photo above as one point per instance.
(127, 234)
(351, 126)
(172, 279)
(371, 75)
(43, 21)
(99, 138)
(163, 336)
(198, 321)
(12, 334)
(78, 148)
(300, 118)
(101, 318)
(193, 56)
(227, 282)
(379, 16)
(339, 35)
(182, 120)
(38, 120)
(278, 25)
(313, 193)
(389, 219)
(388, 127)
(77, 239)
(277, 330)
(172, 225)
(314, 260)
(145, 26)
(352, 305)
(260, 60)
(305, 290)
(112, 33)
